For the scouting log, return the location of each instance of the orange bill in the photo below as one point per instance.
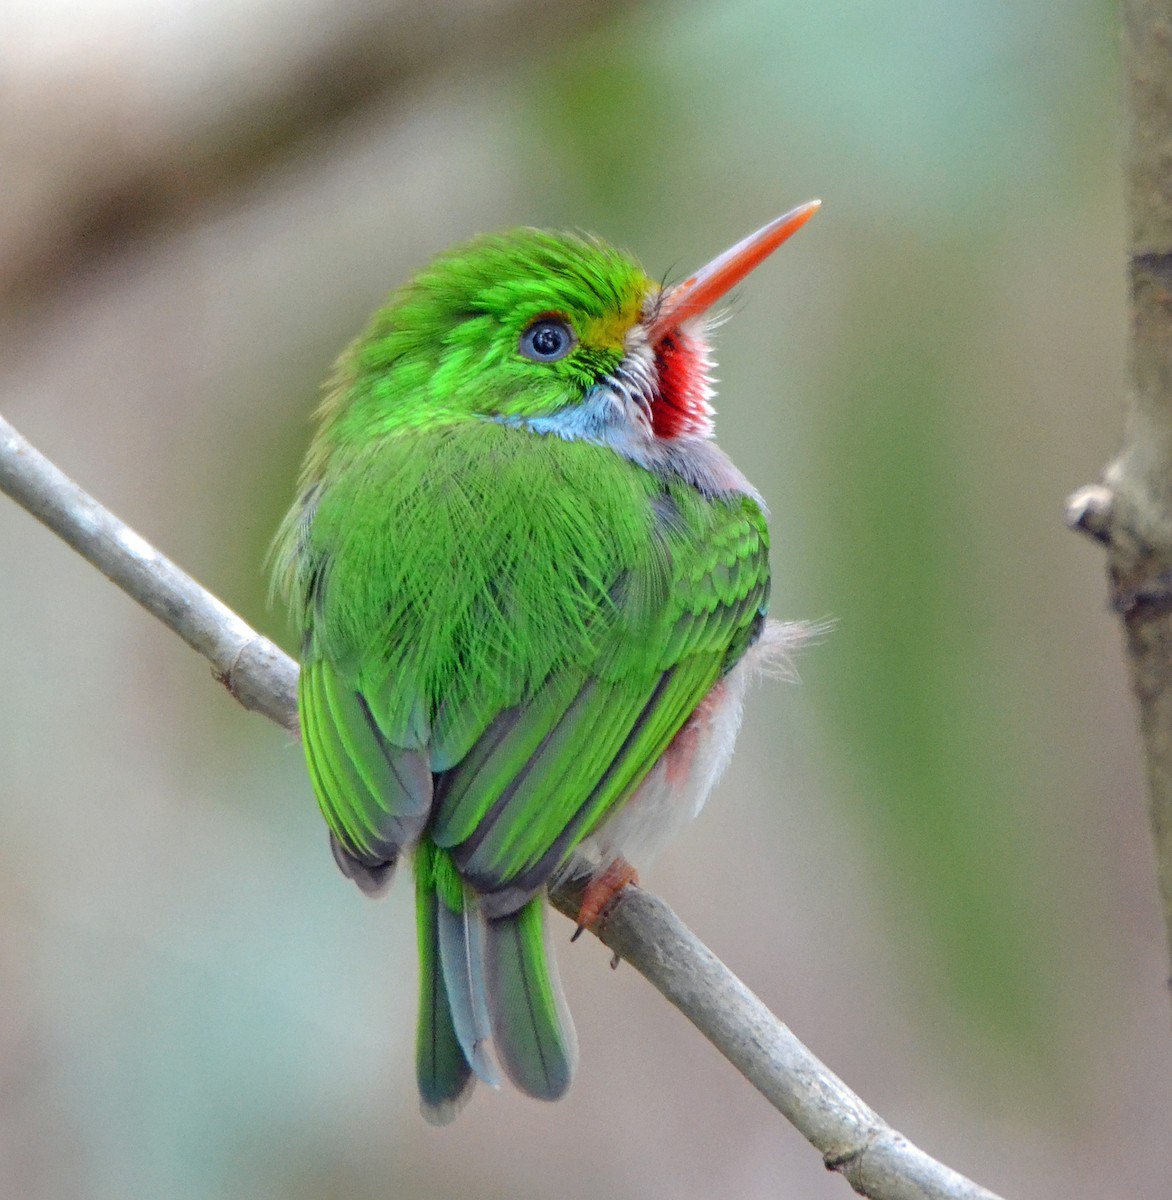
(701, 290)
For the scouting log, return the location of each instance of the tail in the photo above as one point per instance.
(531, 1026)
(454, 1027)
(480, 979)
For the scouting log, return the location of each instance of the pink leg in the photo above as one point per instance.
(601, 891)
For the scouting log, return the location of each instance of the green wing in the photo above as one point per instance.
(376, 796)
(503, 636)
(545, 773)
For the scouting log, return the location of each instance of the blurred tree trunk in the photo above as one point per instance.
(1131, 512)
(96, 154)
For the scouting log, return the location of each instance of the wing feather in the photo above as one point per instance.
(375, 796)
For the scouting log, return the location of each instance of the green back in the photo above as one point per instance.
(535, 617)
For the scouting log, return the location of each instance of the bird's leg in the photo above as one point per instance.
(602, 891)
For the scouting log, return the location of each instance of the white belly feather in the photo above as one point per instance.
(675, 790)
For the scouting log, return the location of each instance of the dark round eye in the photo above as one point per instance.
(547, 340)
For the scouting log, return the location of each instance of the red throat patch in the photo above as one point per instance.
(681, 406)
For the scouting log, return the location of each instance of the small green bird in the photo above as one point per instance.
(530, 590)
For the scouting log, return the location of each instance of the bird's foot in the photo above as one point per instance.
(602, 891)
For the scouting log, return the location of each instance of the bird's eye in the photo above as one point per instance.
(547, 340)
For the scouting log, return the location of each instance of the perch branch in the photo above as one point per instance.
(877, 1161)
(260, 675)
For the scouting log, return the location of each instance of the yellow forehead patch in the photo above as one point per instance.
(610, 331)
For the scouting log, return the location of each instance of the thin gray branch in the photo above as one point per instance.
(1131, 511)
(260, 675)
(877, 1161)
(852, 1138)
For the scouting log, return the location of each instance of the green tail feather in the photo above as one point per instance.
(462, 965)
(445, 1078)
(532, 1031)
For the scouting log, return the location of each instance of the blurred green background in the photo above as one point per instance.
(930, 857)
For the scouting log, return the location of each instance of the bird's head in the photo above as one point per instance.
(555, 332)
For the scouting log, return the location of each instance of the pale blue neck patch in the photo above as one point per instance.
(616, 413)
